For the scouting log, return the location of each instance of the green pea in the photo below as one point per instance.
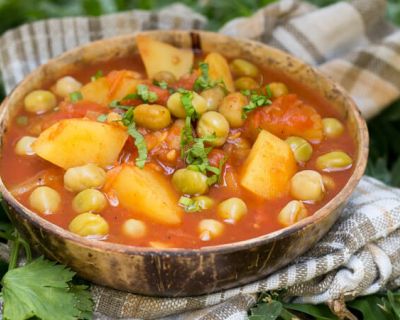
(334, 161)
(301, 148)
(204, 202)
(243, 67)
(246, 83)
(333, 128)
(190, 182)
(213, 123)
(278, 89)
(213, 97)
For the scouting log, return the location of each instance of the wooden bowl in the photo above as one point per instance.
(182, 272)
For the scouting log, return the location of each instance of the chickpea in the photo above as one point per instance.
(190, 182)
(166, 76)
(301, 148)
(175, 106)
(334, 161)
(243, 67)
(209, 229)
(152, 116)
(89, 200)
(246, 83)
(307, 185)
(134, 228)
(232, 210)
(278, 89)
(333, 128)
(232, 109)
(89, 224)
(67, 85)
(45, 200)
(213, 97)
(293, 212)
(24, 146)
(213, 123)
(204, 202)
(84, 177)
(40, 101)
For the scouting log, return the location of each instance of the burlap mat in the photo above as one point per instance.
(352, 43)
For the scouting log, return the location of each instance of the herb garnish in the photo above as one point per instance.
(140, 143)
(203, 81)
(102, 118)
(97, 75)
(162, 84)
(189, 205)
(256, 100)
(142, 92)
(75, 96)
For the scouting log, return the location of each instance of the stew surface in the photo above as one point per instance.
(178, 150)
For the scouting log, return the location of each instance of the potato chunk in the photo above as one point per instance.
(145, 192)
(96, 91)
(218, 69)
(76, 142)
(269, 167)
(159, 56)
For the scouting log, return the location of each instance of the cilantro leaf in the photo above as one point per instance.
(41, 289)
(256, 100)
(203, 81)
(140, 144)
(162, 84)
(189, 205)
(145, 94)
(75, 96)
(97, 75)
(102, 118)
(186, 100)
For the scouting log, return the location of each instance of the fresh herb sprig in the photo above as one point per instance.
(99, 74)
(256, 100)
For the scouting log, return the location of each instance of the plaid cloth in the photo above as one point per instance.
(352, 43)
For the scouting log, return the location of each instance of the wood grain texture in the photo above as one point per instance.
(181, 272)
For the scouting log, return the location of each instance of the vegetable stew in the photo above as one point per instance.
(175, 149)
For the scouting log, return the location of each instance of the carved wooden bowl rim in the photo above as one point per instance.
(334, 203)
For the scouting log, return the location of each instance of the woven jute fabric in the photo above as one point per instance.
(349, 41)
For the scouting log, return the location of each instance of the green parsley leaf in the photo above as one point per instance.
(102, 118)
(97, 75)
(42, 289)
(144, 93)
(75, 96)
(186, 100)
(140, 144)
(203, 81)
(256, 100)
(189, 205)
(162, 84)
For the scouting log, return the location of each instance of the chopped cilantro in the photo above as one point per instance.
(256, 100)
(42, 289)
(145, 94)
(161, 84)
(140, 143)
(189, 205)
(75, 96)
(203, 81)
(102, 118)
(97, 75)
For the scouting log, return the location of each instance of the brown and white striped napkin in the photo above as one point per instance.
(352, 43)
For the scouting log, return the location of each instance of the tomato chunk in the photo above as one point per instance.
(286, 116)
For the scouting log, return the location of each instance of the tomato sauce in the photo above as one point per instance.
(262, 214)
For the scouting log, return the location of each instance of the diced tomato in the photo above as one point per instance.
(216, 156)
(162, 94)
(186, 81)
(286, 116)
